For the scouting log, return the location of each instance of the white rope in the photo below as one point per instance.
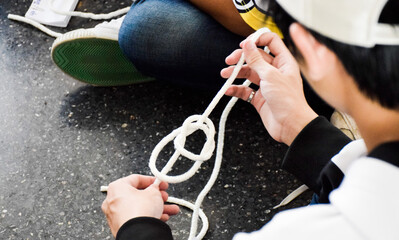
(54, 34)
(35, 24)
(204, 219)
(190, 125)
(292, 196)
(179, 135)
(94, 16)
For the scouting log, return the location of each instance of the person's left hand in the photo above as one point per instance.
(136, 196)
(280, 100)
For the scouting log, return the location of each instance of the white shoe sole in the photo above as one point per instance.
(94, 59)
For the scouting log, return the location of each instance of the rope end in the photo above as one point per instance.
(104, 188)
(12, 16)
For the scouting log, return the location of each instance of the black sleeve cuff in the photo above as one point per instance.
(144, 228)
(312, 150)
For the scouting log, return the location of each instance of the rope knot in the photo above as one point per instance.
(179, 136)
(191, 125)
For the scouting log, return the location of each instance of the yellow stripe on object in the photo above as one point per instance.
(256, 19)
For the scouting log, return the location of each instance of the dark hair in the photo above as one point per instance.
(375, 70)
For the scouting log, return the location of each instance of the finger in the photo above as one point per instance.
(255, 60)
(245, 73)
(273, 41)
(139, 181)
(236, 55)
(115, 187)
(239, 91)
(105, 209)
(113, 231)
(164, 217)
(164, 195)
(258, 101)
(171, 209)
(251, 36)
(244, 92)
(153, 189)
(163, 186)
(233, 57)
(104, 206)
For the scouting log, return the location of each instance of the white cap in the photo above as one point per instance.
(353, 22)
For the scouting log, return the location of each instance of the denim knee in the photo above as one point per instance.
(174, 41)
(158, 30)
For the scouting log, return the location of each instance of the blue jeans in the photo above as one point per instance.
(315, 200)
(172, 40)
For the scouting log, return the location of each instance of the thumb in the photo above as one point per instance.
(153, 188)
(254, 58)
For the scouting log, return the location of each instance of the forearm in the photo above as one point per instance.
(224, 12)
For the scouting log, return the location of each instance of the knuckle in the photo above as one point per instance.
(254, 58)
(104, 206)
(112, 185)
(274, 35)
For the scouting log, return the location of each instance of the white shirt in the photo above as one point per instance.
(365, 206)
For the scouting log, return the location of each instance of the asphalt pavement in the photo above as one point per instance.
(61, 139)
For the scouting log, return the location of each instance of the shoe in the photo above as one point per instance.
(346, 124)
(93, 56)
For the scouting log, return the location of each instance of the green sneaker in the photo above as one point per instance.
(93, 56)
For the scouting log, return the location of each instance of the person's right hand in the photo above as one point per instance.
(136, 196)
(280, 100)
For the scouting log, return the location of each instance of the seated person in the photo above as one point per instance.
(352, 62)
(179, 41)
(185, 41)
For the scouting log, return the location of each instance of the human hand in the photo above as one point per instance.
(280, 102)
(136, 196)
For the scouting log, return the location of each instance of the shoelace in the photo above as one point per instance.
(37, 25)
(101, 16)
(94, 16)
(111, 23)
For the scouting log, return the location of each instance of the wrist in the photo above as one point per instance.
(296, 123)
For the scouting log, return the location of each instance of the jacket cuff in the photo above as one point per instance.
(312, 150)
(144, 228)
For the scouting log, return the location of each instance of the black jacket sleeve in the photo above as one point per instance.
(309, 157)
(144, 228)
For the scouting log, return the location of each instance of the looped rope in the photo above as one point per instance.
(190, 125)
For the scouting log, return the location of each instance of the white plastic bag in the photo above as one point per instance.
(41, 11)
